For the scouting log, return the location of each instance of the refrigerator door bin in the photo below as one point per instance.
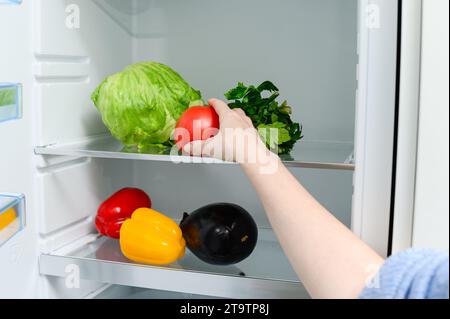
(99, 259)
(12, 218)
(10, 2)
(10, 102)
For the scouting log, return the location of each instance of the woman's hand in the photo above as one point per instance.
(237, 140)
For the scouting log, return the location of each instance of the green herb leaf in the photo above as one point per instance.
(267, 86)
(236, 93)
(272, 120)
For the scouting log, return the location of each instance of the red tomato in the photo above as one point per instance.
(118, 208)
(197, 123)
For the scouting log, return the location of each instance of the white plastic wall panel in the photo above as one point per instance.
(62, 202)
(178, 188)
(74, 28)
(72, 193)
(307, 47)
(122, 12)
(76, 46)
(58, 288)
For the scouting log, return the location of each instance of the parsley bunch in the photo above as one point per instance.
(267, 115)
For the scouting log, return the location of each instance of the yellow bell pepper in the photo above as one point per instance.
(149, 237)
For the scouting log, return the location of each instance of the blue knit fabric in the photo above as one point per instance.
(412, 274)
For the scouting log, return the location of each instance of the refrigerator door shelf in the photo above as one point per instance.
(10, 2)
(11, 216)
(316, 155)
(10, 102)
(100, 259)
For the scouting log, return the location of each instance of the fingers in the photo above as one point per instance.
(249, 121)
(221, 107)
(194, 148)
(240, 112)
(200, 148)
(244, 116)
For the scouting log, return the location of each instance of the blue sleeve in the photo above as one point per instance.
(413, 274)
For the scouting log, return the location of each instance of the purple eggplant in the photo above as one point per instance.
(220, 234)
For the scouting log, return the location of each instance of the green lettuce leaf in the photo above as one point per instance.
(142, 104)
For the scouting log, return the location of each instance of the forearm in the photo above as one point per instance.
(330, 260)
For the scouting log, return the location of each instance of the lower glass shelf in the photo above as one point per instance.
(265, 274)
(319, 155)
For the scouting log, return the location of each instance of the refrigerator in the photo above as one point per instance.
(348, 67)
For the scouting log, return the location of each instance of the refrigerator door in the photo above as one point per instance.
(377, 100)
(431, 214)
(407, 127)
(19, 253)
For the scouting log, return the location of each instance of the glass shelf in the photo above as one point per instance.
(306, 155)
(265, 274)
(12, 218)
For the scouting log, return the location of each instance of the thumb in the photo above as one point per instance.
(220, 107)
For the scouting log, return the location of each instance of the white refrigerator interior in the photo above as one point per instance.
(59, 161)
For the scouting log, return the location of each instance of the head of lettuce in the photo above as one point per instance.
(142, 104)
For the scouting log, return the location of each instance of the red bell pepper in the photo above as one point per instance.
(118, 208)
